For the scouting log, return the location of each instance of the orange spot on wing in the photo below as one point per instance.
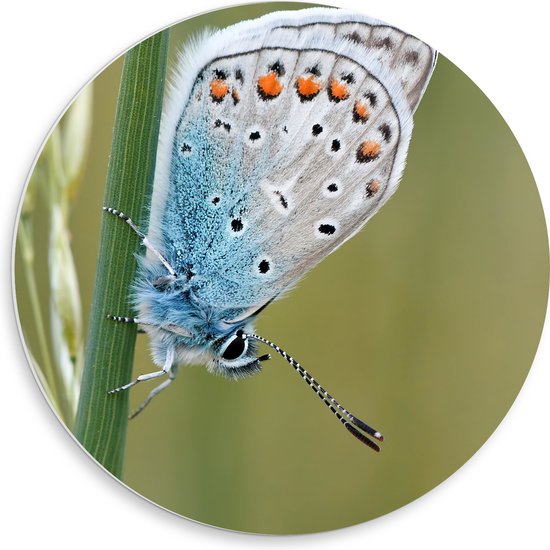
(372, 187)
(368, 150)
(338, 91)
(307, 87)
(218, 89)
(269, 86)
(360, 112)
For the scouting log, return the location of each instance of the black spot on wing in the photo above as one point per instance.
(237, 225)
(349, 78)
(385, 130)
(327, 229)
(278, 68)
(282, 199)
(219, 124)
(354, 37)
(386, 43)
(373, 100)
(411, 57)
(314, 70)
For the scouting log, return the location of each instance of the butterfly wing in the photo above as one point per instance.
(283, 137)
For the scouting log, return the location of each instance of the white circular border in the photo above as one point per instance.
(52, 492)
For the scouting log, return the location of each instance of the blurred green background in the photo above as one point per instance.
(438, 311)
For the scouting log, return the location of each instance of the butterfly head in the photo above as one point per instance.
(231, 354)
(235, 355)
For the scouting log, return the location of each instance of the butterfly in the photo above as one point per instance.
(281, 138)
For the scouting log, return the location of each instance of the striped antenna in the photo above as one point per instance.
(328, 400)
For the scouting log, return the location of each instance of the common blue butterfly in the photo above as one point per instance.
(282, 137)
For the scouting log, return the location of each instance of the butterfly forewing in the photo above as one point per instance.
(287, 143)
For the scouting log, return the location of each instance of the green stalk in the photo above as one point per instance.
(102, 420)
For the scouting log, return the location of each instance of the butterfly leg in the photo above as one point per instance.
(166, 369)
(155, 392)
(144, 240)
(119, 319)
(132, 320)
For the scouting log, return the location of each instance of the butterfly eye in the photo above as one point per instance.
(235, 347)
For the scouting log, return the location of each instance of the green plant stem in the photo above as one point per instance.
(102, 419)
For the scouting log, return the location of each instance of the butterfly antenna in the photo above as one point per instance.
(328, 400)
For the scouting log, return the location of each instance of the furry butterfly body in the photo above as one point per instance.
(282, 137)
